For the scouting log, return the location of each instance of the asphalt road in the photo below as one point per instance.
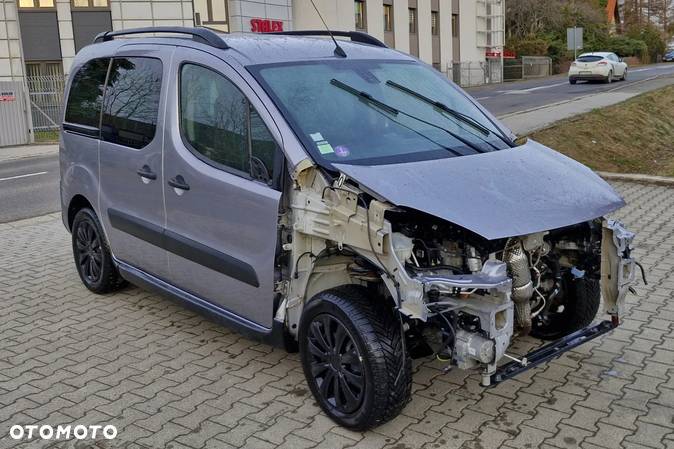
(501, 99)
(29, 187)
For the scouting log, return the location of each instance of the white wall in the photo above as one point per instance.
(143, 13)
(468, 26)
(445, 17)
(241, 12)
(424, 31)
(11, 63)
(65, 23)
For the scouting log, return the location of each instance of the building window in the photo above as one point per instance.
(360, 14)
(90, 3)
(44, 68)
(413, 20)
(388, 17)
(211, 13)
(435, 30)
(36, 3)
(455, 25)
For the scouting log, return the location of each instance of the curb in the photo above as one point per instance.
(641, 179)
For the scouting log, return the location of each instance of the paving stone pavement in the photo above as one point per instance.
(167, 377)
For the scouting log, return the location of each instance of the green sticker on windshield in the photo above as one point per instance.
(325, 148)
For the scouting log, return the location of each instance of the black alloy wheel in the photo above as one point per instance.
(93, 258)
(351, 349)
(89, 251)
(336, 365)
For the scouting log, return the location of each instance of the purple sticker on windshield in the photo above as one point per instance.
(342, 151)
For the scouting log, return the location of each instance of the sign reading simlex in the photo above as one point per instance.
(265, 25)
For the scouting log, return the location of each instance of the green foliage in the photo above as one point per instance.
(538, 28)
(530, 46)
(651, 37)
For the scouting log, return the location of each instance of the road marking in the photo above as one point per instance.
(532, 89)
(482, 98)
(24, 176)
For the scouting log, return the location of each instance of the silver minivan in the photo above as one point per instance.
(336, 197)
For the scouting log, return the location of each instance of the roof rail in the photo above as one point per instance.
(355, 36)
(203, 35)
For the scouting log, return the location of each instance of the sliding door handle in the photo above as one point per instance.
(178, 183)
(146, 172)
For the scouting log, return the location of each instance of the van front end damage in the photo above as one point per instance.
(463, 298)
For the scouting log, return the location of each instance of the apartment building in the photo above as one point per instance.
(39, 38)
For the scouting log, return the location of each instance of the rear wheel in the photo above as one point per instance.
(351, 352)
(93, 258)
(572, 81)
(609, 77)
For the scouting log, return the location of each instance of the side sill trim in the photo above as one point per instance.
(274, 336)
(184, 247)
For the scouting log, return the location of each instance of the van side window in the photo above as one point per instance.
(86, 93)
(131, 101)
(219, 123)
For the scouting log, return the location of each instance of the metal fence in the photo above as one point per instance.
(475, 73)
(527, 67)
(46, 104)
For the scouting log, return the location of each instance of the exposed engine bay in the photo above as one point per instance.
(461, 297)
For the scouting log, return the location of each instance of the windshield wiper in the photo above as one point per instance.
(369, 99)
(364, 96)
(467, 119)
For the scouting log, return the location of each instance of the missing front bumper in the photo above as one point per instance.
(550, 351)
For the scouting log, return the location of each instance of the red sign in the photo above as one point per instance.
(265, 25)
(493, 54)
(509, 54)
(7, 96)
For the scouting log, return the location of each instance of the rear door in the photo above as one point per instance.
(132, 195)
(221, 160)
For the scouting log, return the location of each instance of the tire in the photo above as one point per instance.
(572, 81)
(624, 77)
(93, 259)
(609, 77)
(580, 309)
(370, 355)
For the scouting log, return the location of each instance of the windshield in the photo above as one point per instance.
(377, 112)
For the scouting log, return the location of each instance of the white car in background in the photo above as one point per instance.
(597, 66)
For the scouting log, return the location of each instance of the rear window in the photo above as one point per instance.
(131, 101)
(86, 93)
(590, 58)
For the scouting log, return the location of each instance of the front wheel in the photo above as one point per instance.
(351, 350)
(624, 77)
(575, 310)
(93, 258)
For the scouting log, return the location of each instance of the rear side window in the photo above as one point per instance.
(220, 125)
(131, 102)
(590, 58)
(86, 93)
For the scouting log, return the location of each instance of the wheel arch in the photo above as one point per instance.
(76, 204)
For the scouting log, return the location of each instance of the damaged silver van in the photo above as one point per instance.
(334, 197)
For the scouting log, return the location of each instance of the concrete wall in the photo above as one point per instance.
(11, 62)
(141, 13)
